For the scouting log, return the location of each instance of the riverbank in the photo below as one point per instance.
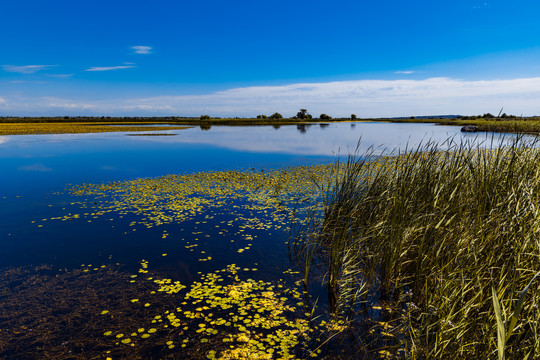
(514, 125)
(77, 128)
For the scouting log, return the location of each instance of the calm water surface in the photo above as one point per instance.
(34, 168)
(38, 247)
(36, 164)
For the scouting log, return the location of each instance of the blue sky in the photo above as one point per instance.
(242, 58)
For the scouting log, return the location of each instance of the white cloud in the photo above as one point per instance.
(27, 82)
(365, 98)
(65, 104)
(109, 68)
(60, 75)
(479, 6)
(25, 69)
(142, 49)
(362, 97)
(404, 72)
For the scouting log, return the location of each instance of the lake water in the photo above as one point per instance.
(37, 164)
(41, 223)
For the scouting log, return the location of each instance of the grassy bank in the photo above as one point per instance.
(432, 254)
(74, 125)
(512, 125)
(75, 128)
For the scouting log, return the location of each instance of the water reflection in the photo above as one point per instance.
(301, 128)
(325, 139)
(78, 158)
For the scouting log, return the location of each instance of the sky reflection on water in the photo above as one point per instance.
(42, 163)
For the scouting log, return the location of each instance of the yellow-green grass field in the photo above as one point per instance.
(77, 128)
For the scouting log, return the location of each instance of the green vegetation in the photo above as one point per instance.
(445, 243)
(325, 117)
(276, 116)
(511, 125)
(487, 122)
(303, 115)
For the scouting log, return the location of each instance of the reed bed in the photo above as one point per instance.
(430, 253)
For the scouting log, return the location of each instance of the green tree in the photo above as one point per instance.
(205, 117)
(276, 116)
(353, 116)
(324, 117)
(302, 114)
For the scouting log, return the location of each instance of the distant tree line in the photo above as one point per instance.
(303, 115)
(488, 116)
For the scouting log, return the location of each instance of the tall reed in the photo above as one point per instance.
(449, 240)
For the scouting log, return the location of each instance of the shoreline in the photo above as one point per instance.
(74, 125)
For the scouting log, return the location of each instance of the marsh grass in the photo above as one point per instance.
(447, 242)
(529, 125)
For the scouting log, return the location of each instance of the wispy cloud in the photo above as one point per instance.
(25, 69)
(480, 5)
(365, 98)
(51, 102)
(60, 75)
(27, 82)
(109, 68)
(142, 49)
(404, 72)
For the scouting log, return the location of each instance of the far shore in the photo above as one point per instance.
(82, 124)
